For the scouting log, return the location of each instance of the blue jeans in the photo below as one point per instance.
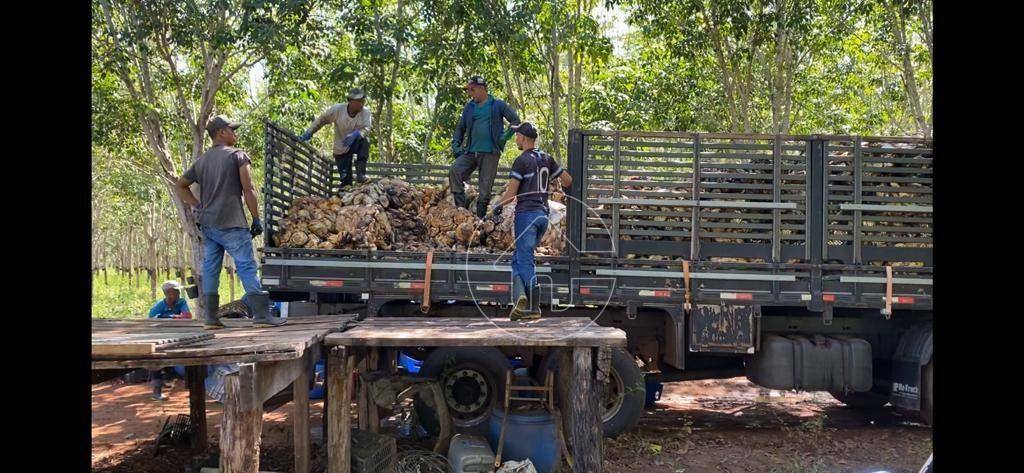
(529, 227)
(238, 243)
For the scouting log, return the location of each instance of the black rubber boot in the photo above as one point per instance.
(460, 199)
(360, 171)
(211, 321)
(481, 208)
(534, 312)
(522, 305)
(259, 307)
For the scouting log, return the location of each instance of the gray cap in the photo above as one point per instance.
(171, 284)
(356, 93)
(477, 80)
(221, 121)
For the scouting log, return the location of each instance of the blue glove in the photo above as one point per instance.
(257, 227)
(306, 136)
(350, 138)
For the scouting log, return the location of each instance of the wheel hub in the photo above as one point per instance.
(466, 392)
(612, 394)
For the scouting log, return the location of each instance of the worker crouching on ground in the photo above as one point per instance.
(224, 179)
(528, 185)
(351, 124)
(478, 143)
(172, 306)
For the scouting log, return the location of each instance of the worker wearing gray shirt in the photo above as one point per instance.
(224, 180)
(351, 124)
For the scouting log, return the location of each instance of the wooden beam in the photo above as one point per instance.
(195, 379)
(339, 454)
(274, 376)
(300, 421)
(583, 415)
(242, 423)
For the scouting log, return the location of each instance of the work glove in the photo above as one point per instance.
(505, 137)
(306, 136)
(349, 139)
(257, 227)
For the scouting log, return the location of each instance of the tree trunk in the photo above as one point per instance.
(555, 86)
(907, 71)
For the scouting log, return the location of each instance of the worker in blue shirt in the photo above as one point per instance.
(172, 306)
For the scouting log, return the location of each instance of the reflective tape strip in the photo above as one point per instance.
(331, 283)
(680, 274)
(409, 285)
(901, 300)
(655, 293)
(737, 296)
(493, 287)
(385, 265)
(870, 280)
(886, 208)
(271, 281)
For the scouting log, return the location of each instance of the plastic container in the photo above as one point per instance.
(180, 371)
(470, 454)
(411, 365)
(318, 386)
(528, 434)
(653, 389)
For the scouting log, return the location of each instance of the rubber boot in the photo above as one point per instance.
(158, 385)
(361, 171)
(534, 312)
(259, 307)
(460, 199)
(522, 301)
(481, 208)
(211, 321)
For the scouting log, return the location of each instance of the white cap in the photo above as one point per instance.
(170, 284)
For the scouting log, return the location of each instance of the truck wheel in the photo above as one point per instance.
(926, 392)
(865, 400)
(622, 398)
(473, 381)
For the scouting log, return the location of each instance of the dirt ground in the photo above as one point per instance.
(697, 426)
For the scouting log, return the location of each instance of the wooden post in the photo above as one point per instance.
(300, 426)
(339, 454)
(373, 417)
(195, 377)
(242, 424)
(583, 416)
(362, 396)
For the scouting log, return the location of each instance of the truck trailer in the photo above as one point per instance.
(800, 262)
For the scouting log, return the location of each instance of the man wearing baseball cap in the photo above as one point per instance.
(528, 182)
(351, 124)
(224, 180)
(172, 306)
(478, 143)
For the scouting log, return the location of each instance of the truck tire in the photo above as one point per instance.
(865, 400)
(927, 390)
(473, 381)
(622, 400)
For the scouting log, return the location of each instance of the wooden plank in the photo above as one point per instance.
(300, 420)
(274, 376)
(339, 455)
(142, 343)
(243, 421)
(195, 377)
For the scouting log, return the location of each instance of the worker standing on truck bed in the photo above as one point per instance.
(528, 185)
(351, 124)
(478, 143)
(224, 179)
(172, 306)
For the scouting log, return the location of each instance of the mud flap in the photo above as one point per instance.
(913, 352)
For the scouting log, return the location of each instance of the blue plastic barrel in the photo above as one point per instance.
(180, 370)
(411, 365)
(528, 434)
(318, 388)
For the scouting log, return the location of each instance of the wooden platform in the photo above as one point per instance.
(583, 367)
(240, 342)
(462, 332)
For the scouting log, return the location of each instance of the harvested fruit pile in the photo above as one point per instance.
(391, 214)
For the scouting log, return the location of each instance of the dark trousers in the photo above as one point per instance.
(464, 166)
(361, 149)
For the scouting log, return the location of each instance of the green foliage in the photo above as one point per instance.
(117, 299)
